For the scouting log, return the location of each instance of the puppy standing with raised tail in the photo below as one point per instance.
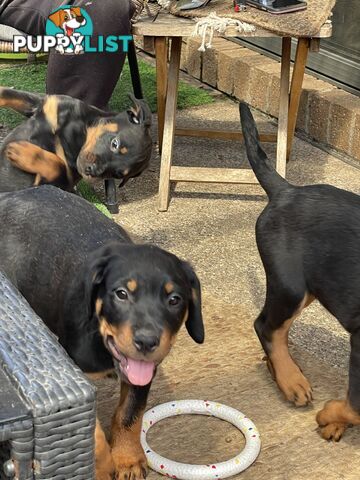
(309, 242)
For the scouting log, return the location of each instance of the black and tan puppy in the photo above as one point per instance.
(113, 304)
(309, 242)
(65, 139)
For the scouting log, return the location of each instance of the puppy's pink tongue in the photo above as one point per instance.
(139, 372)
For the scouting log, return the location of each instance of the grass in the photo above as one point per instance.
(32, 79)
(87, 192)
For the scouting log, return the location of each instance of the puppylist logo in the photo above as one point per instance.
(69, 30)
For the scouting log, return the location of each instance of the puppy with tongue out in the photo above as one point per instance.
(141, 299)
(112, 304)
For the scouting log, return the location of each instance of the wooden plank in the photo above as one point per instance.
(315, 45)
(168, 25)
(220, 134)
(302, 51)
(161, 48)
(283, 107)
(148, 44)
(212, 175)
(169, 124)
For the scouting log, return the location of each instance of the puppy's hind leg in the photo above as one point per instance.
(337, 415)
(272, 327)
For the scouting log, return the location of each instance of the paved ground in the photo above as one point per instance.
(212, 226)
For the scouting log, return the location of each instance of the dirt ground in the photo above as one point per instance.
(212, 226)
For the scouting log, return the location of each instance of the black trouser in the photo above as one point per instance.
(90, 76)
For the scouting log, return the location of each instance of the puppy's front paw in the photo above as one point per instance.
(333, 431)
(129, 465)
(60, 49)
(78, 49)
(292, 382)
(15, 151)
(102, 474)
(331, 420)
(103, 457)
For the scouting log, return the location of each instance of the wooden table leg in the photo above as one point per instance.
(283, 107)
(169, 123)
(302, 51)
(161, 51)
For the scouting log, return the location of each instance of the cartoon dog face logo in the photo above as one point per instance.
(69, 20)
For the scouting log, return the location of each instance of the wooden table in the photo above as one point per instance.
(165, 28)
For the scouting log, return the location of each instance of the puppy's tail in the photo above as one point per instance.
(268, 177)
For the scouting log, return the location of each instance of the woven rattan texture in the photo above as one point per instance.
(61, 399)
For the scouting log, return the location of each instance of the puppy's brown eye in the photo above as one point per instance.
(66, 18)
(122, 294)
(174, 300)
(115, 144)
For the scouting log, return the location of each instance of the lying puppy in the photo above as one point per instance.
(309, 242)
(113, 304)
(65, 139)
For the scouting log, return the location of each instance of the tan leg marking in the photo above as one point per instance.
(283, 369)
(103, 458)
(335, 417)
(30, 158)
(128, 455)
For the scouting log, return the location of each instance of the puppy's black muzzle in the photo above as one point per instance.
(145, 343)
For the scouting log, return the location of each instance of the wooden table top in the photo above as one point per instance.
(162, 24)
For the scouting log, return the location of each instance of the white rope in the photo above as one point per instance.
(164, 3)
(207, 26)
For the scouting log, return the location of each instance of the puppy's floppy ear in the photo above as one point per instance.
(77, 11)
(194, 324)
(140, 112)
(57, 17)
(94, 277)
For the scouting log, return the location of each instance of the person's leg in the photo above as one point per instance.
(29, 16)
(92, 76)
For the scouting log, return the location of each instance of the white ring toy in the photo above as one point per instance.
(186, 471)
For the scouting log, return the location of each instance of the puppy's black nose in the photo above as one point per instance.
(90, 169)
(79, 18)
(146, 343)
